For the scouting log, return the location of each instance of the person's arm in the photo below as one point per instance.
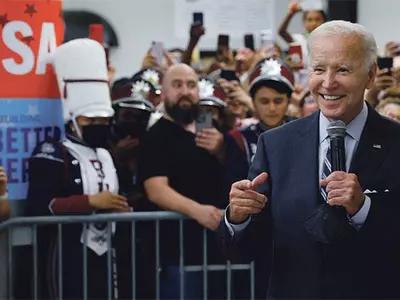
(47, 193)
(293, 9)
(160, 193)
(238, 93)
(382, 82)
(196, 31)
(235, 229)
(213, 141)
(359, 218)
(243, 245)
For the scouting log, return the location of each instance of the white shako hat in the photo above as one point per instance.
(81, 69)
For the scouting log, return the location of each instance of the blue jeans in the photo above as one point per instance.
(170, 284)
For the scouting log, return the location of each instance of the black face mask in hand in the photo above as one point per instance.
(96, 135)
(329, 225)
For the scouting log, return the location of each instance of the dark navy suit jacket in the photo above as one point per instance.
(365, 266)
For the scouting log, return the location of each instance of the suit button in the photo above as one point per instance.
(75, 162)
(78, 181)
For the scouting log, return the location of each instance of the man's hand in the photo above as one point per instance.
(210, 139)
(237, 93)
(109, 201)
(383, 80)
(168, 62)
(208, 216)
(294, 7)
(392, 49)
(3, 181)
(343, 189)
(196, 31)
(244, 200)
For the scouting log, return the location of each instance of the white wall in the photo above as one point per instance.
(382, 17)
(138, 22)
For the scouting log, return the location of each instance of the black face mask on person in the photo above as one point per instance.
(96, 135)
(134, 128)
(131, 129)
(182, 115)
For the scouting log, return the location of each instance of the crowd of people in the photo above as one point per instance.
(175, 136)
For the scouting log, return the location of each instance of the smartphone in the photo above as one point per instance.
(223, 40)
(266, 38)
(249, 41)
(198, 18)
(296, 55)
(204, 120)
(385, 63)
(157, 50)
(229, 75)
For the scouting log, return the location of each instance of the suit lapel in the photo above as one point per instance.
(306, 162)
(371, 150)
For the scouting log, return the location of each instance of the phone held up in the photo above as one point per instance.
(385, 63)
(157, 50)
(229, 75)
(198, 18)
(203, 120)
(249, 41)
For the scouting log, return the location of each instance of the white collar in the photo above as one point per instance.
(354, 128)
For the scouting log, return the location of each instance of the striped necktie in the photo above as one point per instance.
(327, 169)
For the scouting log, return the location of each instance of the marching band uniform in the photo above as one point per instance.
(63, 174)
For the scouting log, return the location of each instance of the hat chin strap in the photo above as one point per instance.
(76, 127)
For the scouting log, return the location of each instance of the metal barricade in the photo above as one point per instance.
(13, 228)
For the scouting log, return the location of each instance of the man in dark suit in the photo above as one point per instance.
(288, 183)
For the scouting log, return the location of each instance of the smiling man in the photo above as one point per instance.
(288, 175)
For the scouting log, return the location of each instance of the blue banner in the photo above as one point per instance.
(23, 124)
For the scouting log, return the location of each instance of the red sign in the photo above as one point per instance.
(30, 31)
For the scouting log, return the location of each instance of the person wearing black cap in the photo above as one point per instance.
(132, 107)
(155, 78)
(271, 86)
(132, 113)
(212, 100)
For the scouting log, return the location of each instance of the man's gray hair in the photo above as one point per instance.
(333, 28)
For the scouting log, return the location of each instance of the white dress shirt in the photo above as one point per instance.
(352, 139)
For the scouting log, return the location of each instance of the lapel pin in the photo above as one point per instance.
(376, 146)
